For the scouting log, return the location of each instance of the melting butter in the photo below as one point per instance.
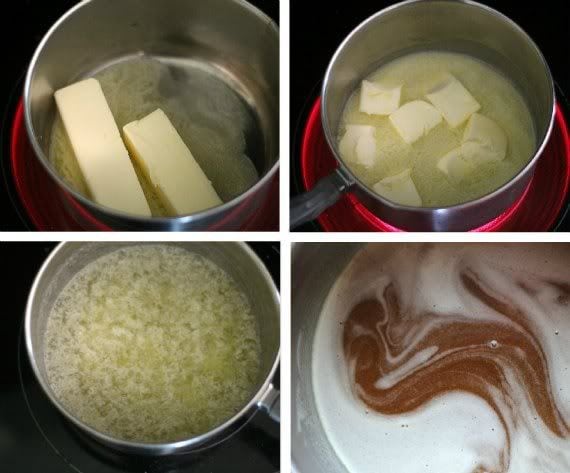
(420, 75)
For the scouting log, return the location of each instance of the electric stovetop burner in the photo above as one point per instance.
(35, 437)
(540, 208)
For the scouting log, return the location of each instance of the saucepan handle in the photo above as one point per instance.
(271, 403)
(310, 205)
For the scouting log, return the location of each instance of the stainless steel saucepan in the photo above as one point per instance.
(314, 270)
(230, 40)
(460, 26)
(237, 259)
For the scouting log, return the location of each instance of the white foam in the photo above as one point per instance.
(396, 375)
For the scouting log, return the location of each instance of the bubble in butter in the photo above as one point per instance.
(153, 344)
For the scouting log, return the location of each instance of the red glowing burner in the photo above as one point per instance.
(537, 210)
(51, 209)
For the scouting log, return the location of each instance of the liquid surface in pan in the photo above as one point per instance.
(153, 344)
(487, 164)
(448, 359)
(214, 121)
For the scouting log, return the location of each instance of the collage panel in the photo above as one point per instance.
(430, 116)
(141, 115)
(430, 357)
(141, 357)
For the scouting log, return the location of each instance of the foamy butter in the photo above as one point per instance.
(205, 112)
(152, 343)
(417, 74)
(492, 317)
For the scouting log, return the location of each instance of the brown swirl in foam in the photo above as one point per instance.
(465, 354)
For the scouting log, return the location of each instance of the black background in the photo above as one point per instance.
(22, 447)
(23, 24)
(317, 32)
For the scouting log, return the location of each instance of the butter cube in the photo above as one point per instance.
(168, 164)
(378, 100)
(400, 189)
(453, 100)
(414, 120)
(358, 145)
(99, 149)
(455, 166)
(484, 140)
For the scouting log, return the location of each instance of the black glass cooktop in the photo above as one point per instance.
(34, 437)
(31, 19)
(317, 31)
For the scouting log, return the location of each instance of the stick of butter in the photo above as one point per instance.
(414, 120)
(378, 100)
(453, 100)
(358, 144)
(169, 165)
(399, 189)
(99, 149)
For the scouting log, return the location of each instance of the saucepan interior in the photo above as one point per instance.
(315, 269)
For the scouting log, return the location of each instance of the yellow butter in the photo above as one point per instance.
(453, 100)
(358, 145)
(376, 99)
(414, 120)
(484, 140)
(101, 154)
(455, 166)
(169, 165)
(400, 189)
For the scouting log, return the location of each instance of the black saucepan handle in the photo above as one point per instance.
(310, 205)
